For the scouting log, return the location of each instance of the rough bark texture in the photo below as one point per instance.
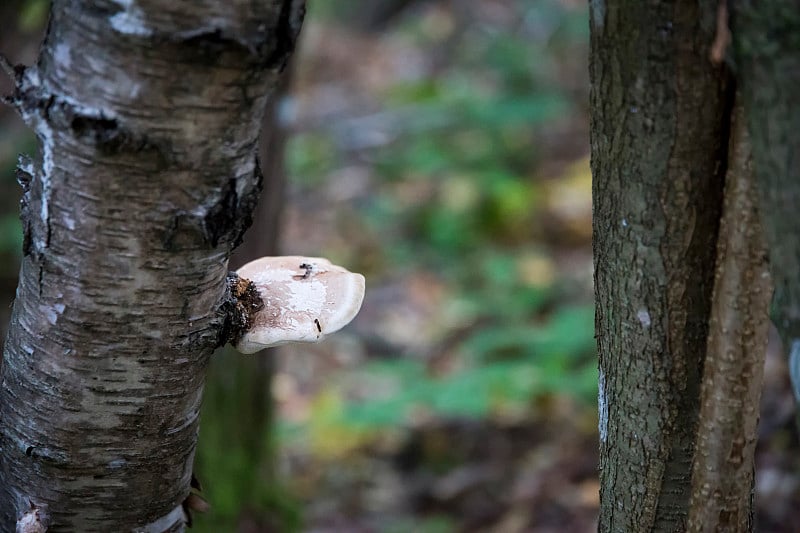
(148, 115)
(766, 38)
(722, 475)
(659, 143)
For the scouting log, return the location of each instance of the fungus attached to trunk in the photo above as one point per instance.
(305, 299)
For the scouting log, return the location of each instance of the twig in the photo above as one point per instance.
(7, 67)
(722, 479)
(723, 36)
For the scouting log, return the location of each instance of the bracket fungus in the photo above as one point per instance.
(305, 299)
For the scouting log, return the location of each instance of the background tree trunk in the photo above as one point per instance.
(766, 38)
(722, 474)
(239, 393)
(148, 117)
(660, 113)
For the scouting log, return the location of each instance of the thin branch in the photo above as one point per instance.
(722, 481)
(723, 37)
(7, 67)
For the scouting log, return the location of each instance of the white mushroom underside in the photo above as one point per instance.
(305, 298)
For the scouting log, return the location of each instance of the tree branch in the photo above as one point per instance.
(147, 180)
(766, 38)
(722, 477)
(7, 67)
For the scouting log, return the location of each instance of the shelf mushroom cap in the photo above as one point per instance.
(305, 299)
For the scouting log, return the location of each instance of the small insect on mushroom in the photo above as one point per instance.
(305, 299)
(308, 267)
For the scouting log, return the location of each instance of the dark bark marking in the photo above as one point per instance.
(171, 231)
(106, 133)
(230, 217)
(285, 34)
(41, 279)
(221, 220)
(24, 178)
(110, 137)
(15, 73)
(208, 44)
(247, 205)
(272, 46)
(225, 221)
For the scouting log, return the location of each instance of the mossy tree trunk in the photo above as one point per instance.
(148, 116)
(659, 137)
(681, 362)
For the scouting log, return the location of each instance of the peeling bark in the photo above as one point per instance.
(660, 114)
(148, 116)
(722, 476)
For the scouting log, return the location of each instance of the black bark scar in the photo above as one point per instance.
(285, 36)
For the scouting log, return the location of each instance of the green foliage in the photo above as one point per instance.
(510, 367)
(430, 524)
(10, 226)
(310, 157)
(33, 14)
(234, 461)
(458, 194)
(11, 234)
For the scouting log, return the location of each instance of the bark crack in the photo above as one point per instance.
(289, 21)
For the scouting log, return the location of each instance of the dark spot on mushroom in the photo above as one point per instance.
(319, 326)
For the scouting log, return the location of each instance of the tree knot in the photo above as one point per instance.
(242, 301)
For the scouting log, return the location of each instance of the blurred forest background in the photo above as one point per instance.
(440, 148)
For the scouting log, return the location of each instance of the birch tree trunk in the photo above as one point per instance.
(148, 115)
